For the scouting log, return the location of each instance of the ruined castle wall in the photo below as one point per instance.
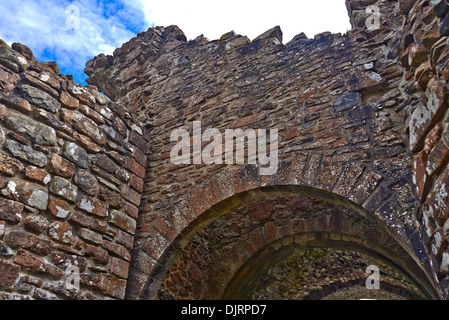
(72, 165)
(425, 86)
(337, 101)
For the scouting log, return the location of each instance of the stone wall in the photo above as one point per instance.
(340, 102)
(72, 165)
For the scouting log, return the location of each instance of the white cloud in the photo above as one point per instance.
(107, 24)
(248, 17)
(41, 25)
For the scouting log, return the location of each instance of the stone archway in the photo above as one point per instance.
(225, 251)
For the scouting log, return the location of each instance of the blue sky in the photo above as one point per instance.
(48, 28)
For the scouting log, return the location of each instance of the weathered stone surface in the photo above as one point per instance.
(341, 102)
(440, 7)
(113, 199)
(9, 166)
(347, 101)
(58, 208)
(23, 50)
(90, 236)
(9, 274)
(2, 228)
(112, 286)
(444, 29)
(64, 188)
(28, 193)
(27, 153)
(86, 182)
(64, 260)
(36, 264)
(38, 175)
(119, 268)
(8, 80)
(12, 60)
(365, 82)
(261, 211)
(84, 125)
(129, 194)
(425, 116)
(25, 240)
(35, 223)
(101, 255)
(31, 129)
(123, 221)
(10, 211)
(92, 205)
(61, 167)
(61, 232)
(105, 163)
(16, 103)
(77, 155)
(124, 239)
(5, 250)
(68, 101)
(40, 98)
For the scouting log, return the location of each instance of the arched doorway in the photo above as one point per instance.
(287, 242)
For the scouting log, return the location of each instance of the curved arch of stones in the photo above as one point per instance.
(350, 185)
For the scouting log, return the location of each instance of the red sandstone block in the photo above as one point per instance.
(90, 236)
(136, 183)
(28, 193)
(37, 174)
(92, 205)
(198, 201)
(438, 158)
(134, 167)
(118, 267)
(238, 180)
(68, 101)
(58, 208)
(120, 127)
(99, 254)
(139, 142)
(102, 226)
(248, 120)
(212, 192)
(61, 167)
(105, 163)
(140, 157)
(36, 264)
(11, 211)
(112, 286)
(116, 249)
(15, 102)
(261, 211)
(81, 219)
(61, 232)
(131, 210)
(124, 239)
(129, 194)
(166, 229)
(271, 231)
(25, 240)
(123, 221)
(9, 273)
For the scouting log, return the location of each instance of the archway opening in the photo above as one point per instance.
(258, 245)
